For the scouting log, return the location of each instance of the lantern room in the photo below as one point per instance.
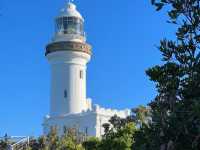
(69, 25)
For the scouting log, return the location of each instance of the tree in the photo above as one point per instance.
(176, 109)
(53, 139)
(70, 140)
(92, 144)
(141, 115)
(39, 144)
(4, 143)
(119, 136)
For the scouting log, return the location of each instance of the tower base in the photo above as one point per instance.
(88, 123)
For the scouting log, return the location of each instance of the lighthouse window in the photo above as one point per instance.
(65, 94)
(81, 74)
(69, 25)
(59, 24)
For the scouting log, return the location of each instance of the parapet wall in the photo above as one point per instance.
(111, 112)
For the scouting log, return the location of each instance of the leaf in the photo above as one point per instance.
(159, 6)
(198, 57)
(173, 14)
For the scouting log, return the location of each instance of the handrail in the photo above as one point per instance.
(24, 141)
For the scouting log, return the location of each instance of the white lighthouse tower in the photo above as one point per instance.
(68, 55)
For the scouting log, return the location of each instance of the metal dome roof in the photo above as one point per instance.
(70, 11)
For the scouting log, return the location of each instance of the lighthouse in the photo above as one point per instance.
(68, 54)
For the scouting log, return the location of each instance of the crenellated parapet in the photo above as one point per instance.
(111, 112)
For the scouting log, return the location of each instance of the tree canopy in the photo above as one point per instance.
(176, 109)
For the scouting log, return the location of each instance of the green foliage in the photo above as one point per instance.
(69, 141)
(176, 109)
(141, 116)
(39, 144)
(53, 139)
(120, 136)
(3, 145)
(92, 144)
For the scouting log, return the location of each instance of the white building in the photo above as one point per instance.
(68, 55)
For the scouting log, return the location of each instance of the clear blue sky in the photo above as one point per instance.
(123, 33)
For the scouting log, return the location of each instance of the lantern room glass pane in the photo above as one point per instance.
(69, 25)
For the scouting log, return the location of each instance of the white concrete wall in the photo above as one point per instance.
(68, 90)
(92, 121)
(84, 123)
